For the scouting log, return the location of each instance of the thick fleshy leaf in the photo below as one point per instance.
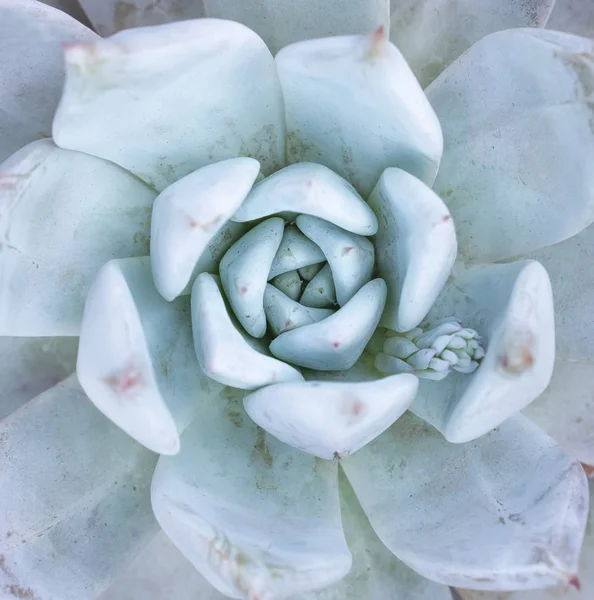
(110, 16)
(517, 114)
(257, 518)
(289, 283)
(331, 420)
(353, 104)
(136, 359)
(310, 189)
(320, 292)
(282, 22)
(573, 16)
(284, 314)
(294, 252)
(161, 572)
(32, 69)
(565, 409)
(74, 501)
(511, 308)
(433, 33)
(376, 573)
(189, 214)
(63, 214)
(224, 355)
(244, 271)
(415, 245)
(585, 582)
(29, 366)
(448, 510)
(70, 7)
(163, 101)
(338, 341)
(351, 257)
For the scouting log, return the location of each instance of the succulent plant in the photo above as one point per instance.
(310, 297)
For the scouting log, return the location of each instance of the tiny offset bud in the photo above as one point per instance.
(432, 353)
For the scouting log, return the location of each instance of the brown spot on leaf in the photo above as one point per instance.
(589, 470)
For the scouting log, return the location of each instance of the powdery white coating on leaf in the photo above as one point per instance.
(170, 575)
(458, 506)
(136, 361)
(309, 189)
(29, 366)
(353, 104)
(415, 246)
(573, 16)
(511, 307)
(339, 340)
(32, 69)
(224, 355)
(257, 518)
(244, 271)
(110, 16)
(282, 22)
(376, 573)
(432, 33)
(518, 120)
(565, 409)
(189, 214)
(63, 214)
(331, 420)
(74, 501)
(585, 582)
(163, 101)
(351, 257)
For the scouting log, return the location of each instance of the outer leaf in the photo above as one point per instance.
(163, 101)
(74, 506)
(136, 359)
(376, 574)
(161, 572)
(432, 33)
(109, 16)
(70, 7)
(32, 69)
(63, 214)
(448, 510)
(567, 592)
(353, 104)
(511, 307)
(565, 409)
(573, 16)
(257, 518)
(29, 366)
(518, 118)
(282, 22)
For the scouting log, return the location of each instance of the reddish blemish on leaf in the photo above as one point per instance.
(336, 344)
(287, 324)
(445, 218)
(243, 289)
(575, 582)
(357, 407)
(589, 470)
(126, 380)
(346, 250)
(378, 43)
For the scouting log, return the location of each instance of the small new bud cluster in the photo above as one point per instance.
(431, 354)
